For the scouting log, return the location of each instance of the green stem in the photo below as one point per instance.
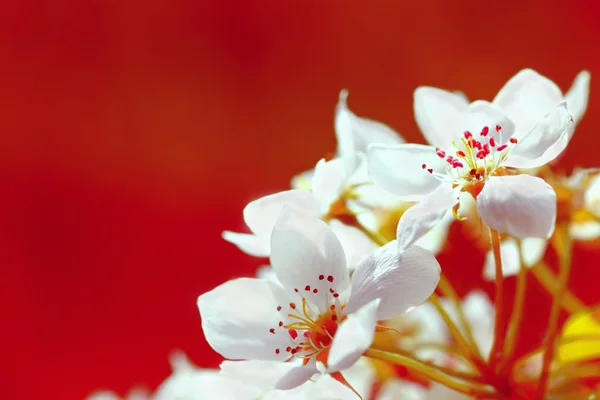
(563, 246)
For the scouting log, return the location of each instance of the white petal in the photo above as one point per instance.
(592, 196)
(305, 252)
(357, 246)
(266, 375)
(353, 337)
(435, 239)
(544, 142)
(236, 319)
(328, 182)
(401, 280)
(480, 314)
(509, 253)
(527, 97)
(303, 180)
(261, 214)
(519, 205)
(438, 114)
(578, 95)
(354, 134)
(588, 230)
(533, 250)
(254, 245)
(296, 377)
(399, 169)
(419, 219)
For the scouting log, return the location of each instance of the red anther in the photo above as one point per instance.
(336, 295)
(272, 330)
(332, 307)
(330, 278)
(293, 334)
(502, 147)
(484, 131)
(457, 164)
(492, 142)
(288, 349)
(315, 290)
(331, 290)
(292, 306)
(295, 290)
(486, 148)
(294, 351)
(307, 288)
(278, 308)
(512, 140)
(460, 153)
(276, 351)
(498, 127)
(306, 334)
(430, 170)
(473, 171)
(280, 323)
(477, 144)
(321, 277)
(481, 154)
(468, 135)
(441, 153)
(424, 166)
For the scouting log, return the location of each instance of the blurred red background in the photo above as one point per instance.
(133, 133)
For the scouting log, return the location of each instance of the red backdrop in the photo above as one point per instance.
(133, 133)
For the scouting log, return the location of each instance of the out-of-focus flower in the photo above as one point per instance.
(481, 164)
(316, 315)
(575, 370)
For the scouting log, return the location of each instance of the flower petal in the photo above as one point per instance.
(353, 337)
(306, 253)
(254, 245)
(587, 230)
(261, 215)
(578, 95)
(592, 196)
(419, 219)
(400, 280)
(357, 246)
(328, 182)
(438, 114)
(533, 250)
(296, 377)
(544, 142)
(435, 239)
(511, 262)
(527, 97)
(519, 205)
(354, 134)
(399, 169)
(265, 375)
(238, 328)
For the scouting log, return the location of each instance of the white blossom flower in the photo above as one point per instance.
(479, 161)
(316, 314)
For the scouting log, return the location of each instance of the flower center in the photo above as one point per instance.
(310, 332)
(474, 159)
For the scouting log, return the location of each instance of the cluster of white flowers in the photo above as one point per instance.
(352, 250)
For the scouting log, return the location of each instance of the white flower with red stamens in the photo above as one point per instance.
(479, 161)
(316, 314)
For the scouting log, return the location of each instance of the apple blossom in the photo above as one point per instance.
(316, 315)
